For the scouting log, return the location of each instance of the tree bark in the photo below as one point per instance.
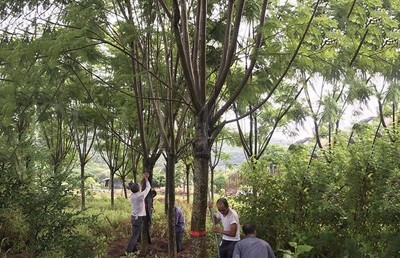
(111, 185)
(146, 226)
(201, 161)
(171, 203)
(83, 194)
(187, 183)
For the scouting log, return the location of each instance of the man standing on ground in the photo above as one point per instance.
(231, 228)
(149, 207)
(138, 212)
(179, 227)
(251, 246)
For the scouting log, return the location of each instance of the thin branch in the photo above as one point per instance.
(359, 47)
(224, 108)
(224, 71)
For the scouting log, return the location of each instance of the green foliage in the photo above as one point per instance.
(342, 206)
(159, 179)
(298, 250)
(35, 216)
(86, 61)
(220, 181)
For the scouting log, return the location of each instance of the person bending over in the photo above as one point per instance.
(251, 246)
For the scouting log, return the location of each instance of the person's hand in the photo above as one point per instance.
(216, 230)
(146, 176)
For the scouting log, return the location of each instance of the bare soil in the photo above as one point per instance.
(158, 248)
(116, 249)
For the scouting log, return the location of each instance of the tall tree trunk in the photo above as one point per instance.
(123, 179)
(170, 188)
(166, 189)
(112, 187)
(201, 162)
(212, 183)
(187, 183)
(83, 195)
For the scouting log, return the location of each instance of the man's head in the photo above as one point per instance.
(223, 206)
(249, 229)
(134, 187)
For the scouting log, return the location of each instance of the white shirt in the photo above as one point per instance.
(227, 221)
(137, 201)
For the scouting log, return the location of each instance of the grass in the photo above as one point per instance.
(114, 222)
(102, 224)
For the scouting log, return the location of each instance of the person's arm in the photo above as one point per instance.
(216, 219)
(146, 191)
(181, 220)
(231, 232)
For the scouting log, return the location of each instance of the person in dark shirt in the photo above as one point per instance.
(179, 227)
(251, 246)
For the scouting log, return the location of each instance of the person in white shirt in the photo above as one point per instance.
(230, 228)
(138, 211)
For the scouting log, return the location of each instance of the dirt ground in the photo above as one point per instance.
(116, 249)
(159, 248)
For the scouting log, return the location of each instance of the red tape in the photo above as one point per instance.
(194, 233)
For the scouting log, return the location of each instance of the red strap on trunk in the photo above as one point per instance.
(194, 233)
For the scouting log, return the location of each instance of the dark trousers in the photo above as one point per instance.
(136, 228)
(226, 248)
(147, 225)
(178, 241)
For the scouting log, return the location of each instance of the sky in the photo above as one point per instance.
(294, 133)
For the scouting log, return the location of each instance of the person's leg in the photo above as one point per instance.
(223, 249)
(136, 228)
(231, 248)
(178, 241)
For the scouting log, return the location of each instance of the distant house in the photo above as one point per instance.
(105, 183)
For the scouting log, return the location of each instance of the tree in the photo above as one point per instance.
(111, 130)
(83, 129)
(216, 157)
(206, 89)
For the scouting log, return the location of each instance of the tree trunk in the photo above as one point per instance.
(187, 183)
(146, 226)
(83, 195)
(166, 190)
(112, 187)
(212, 183)
(123, 178)
(170, 187)
(201, 161)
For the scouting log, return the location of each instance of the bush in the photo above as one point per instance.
(36, 217)
(343, 203)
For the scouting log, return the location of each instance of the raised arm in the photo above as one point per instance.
(146, 191)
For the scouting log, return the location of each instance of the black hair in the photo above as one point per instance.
(224, 201)
(134, 187)
(249, 228)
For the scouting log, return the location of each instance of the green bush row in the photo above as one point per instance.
(344, 201)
